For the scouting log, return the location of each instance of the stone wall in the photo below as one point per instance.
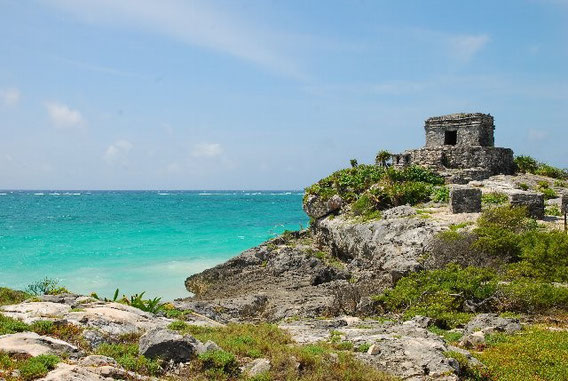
(495, 160)
(472, 129)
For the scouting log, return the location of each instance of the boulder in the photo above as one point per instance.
(30, 343)
(257, 367)
(489, 323)
(28, 312)
(316, 207)
(473, 340)
(168, 345)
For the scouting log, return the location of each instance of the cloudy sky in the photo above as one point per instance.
(140, 94)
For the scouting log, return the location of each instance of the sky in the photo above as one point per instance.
(260, 94)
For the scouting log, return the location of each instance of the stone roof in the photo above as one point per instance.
(459, 116)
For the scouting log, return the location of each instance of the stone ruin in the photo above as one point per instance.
(461, 147)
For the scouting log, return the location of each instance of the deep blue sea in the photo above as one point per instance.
(136, 241)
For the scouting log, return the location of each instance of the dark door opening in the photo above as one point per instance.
(451, 138)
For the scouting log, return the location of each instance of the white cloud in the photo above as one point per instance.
(466, 47)
(9, 97)
(62, 116)
(117, 153)
(207, 150)
(196, 23)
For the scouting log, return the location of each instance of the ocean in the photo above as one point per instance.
(98, 241)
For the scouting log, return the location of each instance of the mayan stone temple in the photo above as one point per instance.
(461, 147)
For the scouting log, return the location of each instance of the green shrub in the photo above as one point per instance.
(9, 296)
(526, 164)
(523, 186)
(544, 255)
(468, 371)
(440, 294)
(494, 198)
(364, 347)
(42, 327)
(38, 366)
(441, 194)
(548, 193)
(550, 171)
(46, 286)
(350, 183)
(127, 356)
(449, 336)
(530, 295)
(498, 228)
(552, 210)
(219, 362)
(9, 325)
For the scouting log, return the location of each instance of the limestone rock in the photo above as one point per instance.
(257, 367)
(168, 345)
(97, 360)
(28, 312)
(316, 207)
(473, 340)
(67, 372)
(32, 344)
(489, 323)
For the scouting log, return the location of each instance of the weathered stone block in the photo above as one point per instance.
(465, 199)
(564, 203)
(534, 202)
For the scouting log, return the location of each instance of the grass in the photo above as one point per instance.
(494, 198)
(316, 361)
(533, 354)
(127, 356)
(9, 296)
(29, 368)
(449, 336)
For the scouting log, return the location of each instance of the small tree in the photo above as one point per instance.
(383, 158)
(353, 163)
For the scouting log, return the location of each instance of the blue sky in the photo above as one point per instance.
(139, 94)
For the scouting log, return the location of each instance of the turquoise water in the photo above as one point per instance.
(135, 241)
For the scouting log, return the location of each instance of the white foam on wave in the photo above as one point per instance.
(54, 194)
(3, 194)
(205, 194)
(163, 194)
(39, 194)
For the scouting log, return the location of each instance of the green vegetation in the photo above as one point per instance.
(527, 164)
(533, 354)
(494, 198)
(533, 260)
(9, 325)
(553, 210)
(448, 335)
(9, 296)
(29, 368)
(351, 183)
(523, 186)
(383, 157)
(137, 300)
(268, 341)
(127, 356)
(46, 286)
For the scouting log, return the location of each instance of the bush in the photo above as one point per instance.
(544, 255)
(9, 296)
(530, 295)
(494, 198)
(526, 164)
(441, 194)
(219, 362)
(440, 294)
(498, 229)
(350, 183)
(9, 325)
(127, 356)
(46, 286)
(38, 366)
